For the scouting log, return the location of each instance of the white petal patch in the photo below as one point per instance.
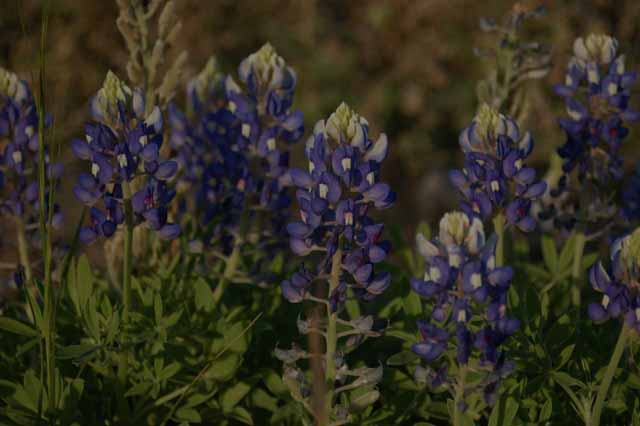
(476, 280)
(95, 169)
(370, 178)
(323, 189)
(435, 273)
(346, 164)
(246, 130)
(348, 218)
(17, 157)
(122, 160)
(518, 164)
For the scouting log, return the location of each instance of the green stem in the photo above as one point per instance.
(576, 270)
(23, 249)
(229, 271)
(332, 334)
(458, 415)
(603, 389)
(25, 261)
(123, 362)
(48, 325)
(127, 260)
(498, 227)
(234, 258)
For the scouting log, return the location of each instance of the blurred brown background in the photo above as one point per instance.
(406, 65)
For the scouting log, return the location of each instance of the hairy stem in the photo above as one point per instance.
(233, 260)
(458, 401)
(603, 389)
(123, 362)
(498, 226)
(576, 270)
(332, 335)
(229, 271)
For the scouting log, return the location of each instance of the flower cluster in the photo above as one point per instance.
(469, 295)
(334, 197)
(214, 171)
(619, 283)
(494, 177)
(597, 92)
(229, 142)
(19, 152)
(264, 115)
(124, 150)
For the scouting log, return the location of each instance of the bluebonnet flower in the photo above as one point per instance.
(262, 104)
(495, 178)
(597, 94)
(232, 147)
(19, 155)
(124, 150)
(335, 196)
(469, 295)
(214, 169)
(618, 283)
(597, 91)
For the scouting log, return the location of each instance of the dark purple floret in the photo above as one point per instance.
(19, 188)
(335, 196)
(468, 294)
(618, 284)
(495, 178)
(123, 147)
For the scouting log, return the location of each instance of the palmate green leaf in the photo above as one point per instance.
(391, 308)
(549, 253)
(261, 398)
(84, 281)
(546, 411)
(28, 394)
(504, 412)
(224, 368)
(567, 253)
(565, 355)
(142, 388)
(402, 358)
(203, 295)
(242, 415)
(401, 334)
(82, 351)
(232, 396)
(412, 304)
(14, 326)
(364, 401)
(169, 371)
(274, 383)
(567, 382)
(190, 415)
